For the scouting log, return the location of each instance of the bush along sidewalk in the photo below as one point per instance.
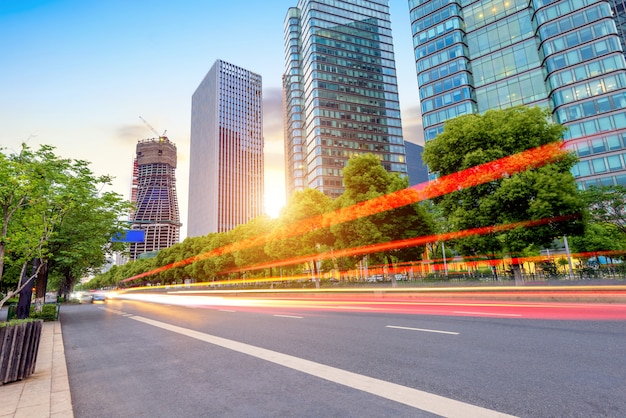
(19, 344)
(49, 312)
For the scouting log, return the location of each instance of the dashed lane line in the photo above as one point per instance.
(436, 331)
(408, 396)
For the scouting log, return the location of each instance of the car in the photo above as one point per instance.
(99, 297)
(82, 297)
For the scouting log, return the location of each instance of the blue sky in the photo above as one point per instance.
(77, 74)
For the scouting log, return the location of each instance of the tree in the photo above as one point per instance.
(81, 243)
(53, 210)
(607, 204)
(31, 206)
(302, 210)
(366, 179)
(547, 193)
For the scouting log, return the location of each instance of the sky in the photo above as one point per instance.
(79, 74)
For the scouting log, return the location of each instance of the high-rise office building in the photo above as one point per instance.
(226, 158)
(472, 56)
(154, 196)
(340, 92)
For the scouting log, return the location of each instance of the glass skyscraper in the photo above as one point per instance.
(340, 92)
(472, 56)
(226, 158)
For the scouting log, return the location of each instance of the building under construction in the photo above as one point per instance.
(154, 196)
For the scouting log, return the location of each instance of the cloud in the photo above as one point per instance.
(412, 126)
(131, 133)
(273, 129)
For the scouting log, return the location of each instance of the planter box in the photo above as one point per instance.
(19, 343)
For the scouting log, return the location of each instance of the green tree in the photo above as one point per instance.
(81, 243)
(547, 193)
(52, 211)
(607, 204)
(302, 211)
(32, 187)
(366, 179)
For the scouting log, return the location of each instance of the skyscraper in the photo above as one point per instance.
(226, 159)
(619, 14)
(340, 92)
(156, 204)
(472, 56)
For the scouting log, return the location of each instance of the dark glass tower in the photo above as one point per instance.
(340, 92)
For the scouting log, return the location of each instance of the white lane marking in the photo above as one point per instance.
(486, 313)
(289, 316)
(424, 330)
(226, 310)
(408, 396)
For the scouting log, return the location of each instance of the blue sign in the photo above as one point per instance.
(132, 235)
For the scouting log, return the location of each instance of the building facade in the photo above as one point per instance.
(619, 14)
(472, 56)
(340, 92)
(417, 171)
(154, 196)
(226, 158)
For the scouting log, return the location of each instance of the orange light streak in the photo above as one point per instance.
(484, 173)
(410, 242)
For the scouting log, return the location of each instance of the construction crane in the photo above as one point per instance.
(153, 130)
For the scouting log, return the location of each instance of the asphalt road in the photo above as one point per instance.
(131, 358)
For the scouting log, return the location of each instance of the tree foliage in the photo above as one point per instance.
(607, 204)
(366, 179)
(546, 193)
(53, 210)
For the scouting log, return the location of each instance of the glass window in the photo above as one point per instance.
(583, 149)
(613, 142)
(604, 105)
(599, 165)
(598, 145)
(606, 181)
(582, 169)
(614, 162)
(621, 179)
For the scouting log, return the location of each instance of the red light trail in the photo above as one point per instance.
(484, 173)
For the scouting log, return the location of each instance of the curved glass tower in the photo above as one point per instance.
(156, 203)
(340, 92)
(472, 56)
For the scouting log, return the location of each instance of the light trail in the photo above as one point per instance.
(484, 173)
(394, 245)
(469, 304)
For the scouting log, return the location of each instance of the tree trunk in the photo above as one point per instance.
(517, 273)
(26, 293)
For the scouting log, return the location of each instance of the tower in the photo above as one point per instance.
(156, 204)
(562, 55)
(226, 163)
(340, 92)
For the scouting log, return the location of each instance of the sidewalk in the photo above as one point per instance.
(46, 393)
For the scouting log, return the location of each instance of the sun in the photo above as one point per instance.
(274, 199)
